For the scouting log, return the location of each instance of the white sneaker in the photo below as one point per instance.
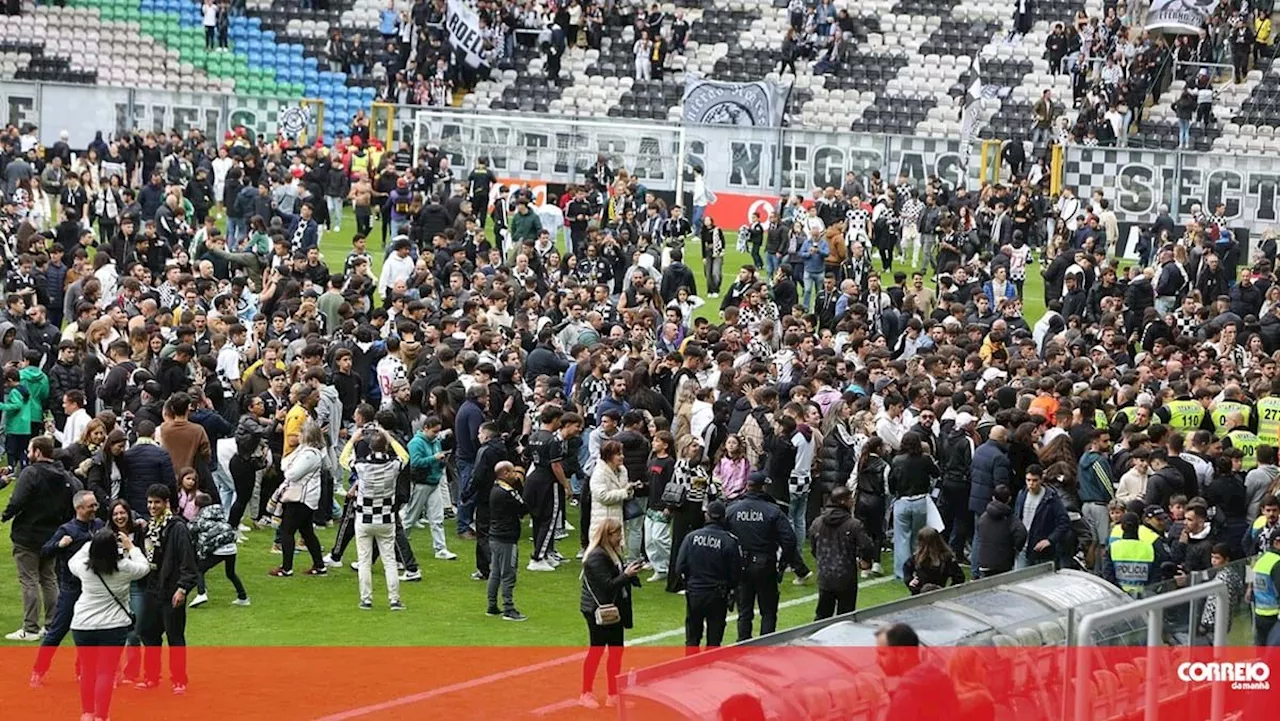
(199, 600)
(242, 528)
(589, 700)
(240, 602)
(802, 580)
(446, 555)
(569, 526)
(657, 577)
(714, 295)
(331, 563)
(539, 566)
(561, 535)
(22, 635)
(411, 576)
(876, 569)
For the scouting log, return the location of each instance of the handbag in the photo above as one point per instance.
(133, 620)
(674, 494)
(292, 493)
(607, 614)
(631, 510)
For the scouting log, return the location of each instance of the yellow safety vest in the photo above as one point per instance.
(1100, 419)
(360, 164)
(1129, 412)
(1131, 560)
(1269, 420)
(1266, 601)
(1248, 443)
(1145, 534)
(1226, 408)
(1185, 416)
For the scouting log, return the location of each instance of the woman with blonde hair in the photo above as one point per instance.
(606, 606)
(299, 497)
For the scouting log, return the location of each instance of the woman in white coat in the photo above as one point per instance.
(299, 498)
(101, 619)
(610, 489)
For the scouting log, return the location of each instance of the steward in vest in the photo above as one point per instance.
(1242, 439)
(1186, 415)
(1133, 564)
(1268, 416)
(1263, 594)
(1224, 411)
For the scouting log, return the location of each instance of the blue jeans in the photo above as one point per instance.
(1184, 133)
(696, 219)
(909, 516)
(397, 227)
(56, 631)
(226, 487)
(357, 70)
(466, 509)
(772, 262)
(237, 228)
(797, 509)
(132, 642)
(974, 571)
(812, 282)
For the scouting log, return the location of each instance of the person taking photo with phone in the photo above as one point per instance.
(606, 606)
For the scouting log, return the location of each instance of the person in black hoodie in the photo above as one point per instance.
(42, 501)
(1003, 535)
(840, 544)
(677, 275)
(492, 452)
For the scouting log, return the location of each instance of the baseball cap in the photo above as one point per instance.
(759, 478)
(963, 419)
(1154, 511)
(716, 510)
(153, 389)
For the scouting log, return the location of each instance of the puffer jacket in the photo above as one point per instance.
(211, 530)
(251, 435)
(1001, 536)
(957, 459)
(837, 457)
(990, 469)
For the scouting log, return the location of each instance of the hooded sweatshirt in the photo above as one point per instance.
(12, 350)
(838, 540)
(1000, 536)
(37, 384)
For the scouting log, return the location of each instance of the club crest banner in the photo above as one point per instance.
(712, 102)
(463, 26)
(1183, 17)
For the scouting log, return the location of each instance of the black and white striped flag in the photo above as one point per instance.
(971, 120)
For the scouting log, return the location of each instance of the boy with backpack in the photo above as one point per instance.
(215, 542)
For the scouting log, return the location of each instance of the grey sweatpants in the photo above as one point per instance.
(503, 558)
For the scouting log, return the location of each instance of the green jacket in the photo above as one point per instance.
(37, 384)
(17, 411)
(525, 227)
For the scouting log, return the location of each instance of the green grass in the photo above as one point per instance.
(446, 607)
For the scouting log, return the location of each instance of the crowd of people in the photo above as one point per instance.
(171, 385)
(1116, 66)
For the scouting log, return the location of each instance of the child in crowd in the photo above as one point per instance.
(215, 542)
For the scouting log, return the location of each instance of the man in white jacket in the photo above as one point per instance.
(398, 266)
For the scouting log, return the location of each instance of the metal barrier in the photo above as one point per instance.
(1153, 608)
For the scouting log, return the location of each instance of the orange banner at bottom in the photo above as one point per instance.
(660, 684)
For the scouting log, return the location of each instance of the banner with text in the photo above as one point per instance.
(1181, 17)
(463, 25)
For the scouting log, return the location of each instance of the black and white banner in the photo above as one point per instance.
(713, 102)
(463, 26)
(1182, 17)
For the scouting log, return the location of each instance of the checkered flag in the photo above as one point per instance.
(971, 120)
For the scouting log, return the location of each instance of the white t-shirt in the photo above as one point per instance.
(210, 14)
(228, 366)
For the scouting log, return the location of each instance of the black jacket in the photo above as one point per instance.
(145, 464)
(506, 508)
(482, 478)
(912, 475)
(674, 277)
(709, 561)
(175, 562)
(838, 540)
(957, 458)
(1000, 536)
(41, 501)
(836, 458)
(604, 583)
(1050, 523)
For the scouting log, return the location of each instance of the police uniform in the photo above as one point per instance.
(710, 564)
(540, 493)
(762, 529)
(1132, 562)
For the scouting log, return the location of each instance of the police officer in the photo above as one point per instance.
(709, 564)
(1263, 594)
(762, 530)
(1133, 563)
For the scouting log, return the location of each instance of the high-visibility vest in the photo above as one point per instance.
(1128, 412)
(1223, 409)
(1266, 601)
(1145, 534)
(1248, 443)
(1185, 416)
(1269, 420)
(1131, 558)
(1099, 419)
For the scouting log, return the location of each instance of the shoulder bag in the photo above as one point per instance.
(674, 493)
(607, 614)
(133, 620)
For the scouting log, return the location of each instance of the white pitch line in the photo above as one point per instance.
(451, 688)
(550, 663)
(571, 702)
